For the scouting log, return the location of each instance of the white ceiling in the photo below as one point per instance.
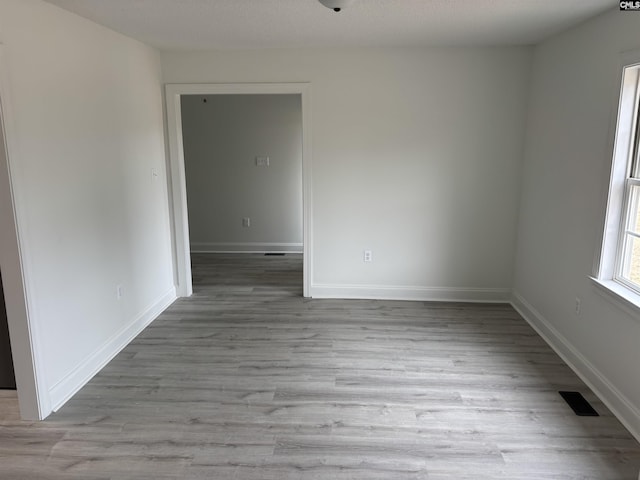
(249, 24)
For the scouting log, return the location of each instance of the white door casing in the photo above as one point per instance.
(179, 211)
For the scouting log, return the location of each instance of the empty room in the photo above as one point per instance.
(319, 239)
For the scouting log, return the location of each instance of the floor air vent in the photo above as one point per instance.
(274, 254)
(579, 404)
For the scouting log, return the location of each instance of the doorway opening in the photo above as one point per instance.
(267, 210)
(243, 174)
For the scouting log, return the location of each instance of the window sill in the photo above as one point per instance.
(619, 295)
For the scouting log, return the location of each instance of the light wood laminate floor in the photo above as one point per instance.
(247, 380)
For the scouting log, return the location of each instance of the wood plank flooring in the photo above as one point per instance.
(247, 380)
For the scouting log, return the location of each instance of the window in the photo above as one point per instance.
(628, 258)
(618, 268)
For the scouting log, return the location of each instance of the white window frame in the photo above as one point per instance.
(631, 179)
(608, 267)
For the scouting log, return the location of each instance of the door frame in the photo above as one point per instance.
(33, 394)
(177, 184)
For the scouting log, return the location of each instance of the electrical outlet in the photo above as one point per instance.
(578, 306)
(119, 292)
(368, 256)
(262, 161)
(246, 222)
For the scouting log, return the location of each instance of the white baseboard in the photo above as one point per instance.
(250, 247)
(425, 294)
(66, 388)
(615, 400)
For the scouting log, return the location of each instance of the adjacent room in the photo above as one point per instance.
(243, 183)
(303, 239)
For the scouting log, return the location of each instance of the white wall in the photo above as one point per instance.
(416, 156)
(221, 139)
(566, 167)
(87, 131)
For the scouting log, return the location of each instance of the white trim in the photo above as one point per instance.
(180, 226)
(620, 295)
(33, 395)
(613, 398)
(66, 388)
(248, 247)
(307, 196)
(412, 293)
(179, 213)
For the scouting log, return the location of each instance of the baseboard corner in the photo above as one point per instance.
(66, 388)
